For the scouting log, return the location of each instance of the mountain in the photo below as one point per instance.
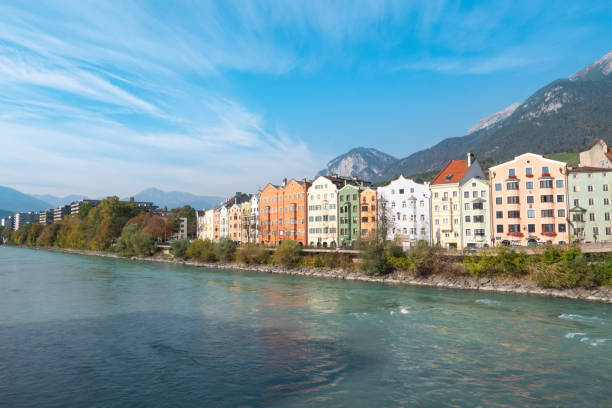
(174, 199)
(59, 201)
(6, 213)
(566, 115)
(486, 123)
(15, 201)
(364, 163)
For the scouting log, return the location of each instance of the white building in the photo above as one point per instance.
(323, 212)
(24, 218)
(407, 206)
(223, 222)
(254, 220)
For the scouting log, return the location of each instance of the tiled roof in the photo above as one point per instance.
(453, 172)
(587, 169)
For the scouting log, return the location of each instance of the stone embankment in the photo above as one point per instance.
(519, 286)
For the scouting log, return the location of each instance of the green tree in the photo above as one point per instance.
(135, 240)
(287, 253)
(203, 251)
(179, 247)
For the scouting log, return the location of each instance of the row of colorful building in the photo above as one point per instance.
(528, 200)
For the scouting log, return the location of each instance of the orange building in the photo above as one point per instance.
(234, 222)
(283, 212)
(367, 211)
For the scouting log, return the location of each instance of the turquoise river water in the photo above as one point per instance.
(80, 331)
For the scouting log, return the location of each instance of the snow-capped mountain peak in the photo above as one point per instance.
(597, 70)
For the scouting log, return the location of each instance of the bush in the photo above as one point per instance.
(135, 241)
(287, 253)
(424, 259)
(224, 250)
(251, 254)
(374, 259)
(602, 272)
(203, 251)
(179, 247)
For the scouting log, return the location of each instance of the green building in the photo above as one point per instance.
(589, 204)
(348, 215)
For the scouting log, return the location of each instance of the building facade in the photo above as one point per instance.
(476, 213)
(223, 222)
(349, 227)
(234, 217)
(599, 156)
(406, 205)
(323, 213)
(589, 204)
(245, 214)
(254, 226)
(446, 213)
(368, 213)
(23, 218)
(268, 210)
(46, 217)
(283, 212)
(529, 201)
(61, 212)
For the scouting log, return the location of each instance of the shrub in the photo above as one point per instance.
(374, 259)
(424, 259)
(251, 254)
(602, 272)
(179, 247)
(287, 253)
(224, 250)
(135, 241)
(400, 262)
(203, 251)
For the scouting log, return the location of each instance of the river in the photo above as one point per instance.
(86, 331)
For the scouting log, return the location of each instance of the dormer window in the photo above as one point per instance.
(449, 176)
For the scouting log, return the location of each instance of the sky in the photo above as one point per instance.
(113, 97)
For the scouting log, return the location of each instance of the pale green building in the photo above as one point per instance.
(475, 204)
(589, 204)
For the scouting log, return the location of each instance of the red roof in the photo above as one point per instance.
(453, 172)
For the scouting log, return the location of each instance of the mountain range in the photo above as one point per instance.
(12, 201)
(569, 115)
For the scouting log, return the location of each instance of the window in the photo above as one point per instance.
(514, 214)
(606, 201)
(512, 199)
(531, 228)
(548, 227)
(595, 230)
(560, 198)
(479, 218)
(590, 189)
(467, 218)
(591, 201)
(546, 198)
(466, 194)
(436, 194)
(576, 203)
(546, 183)
(483, 193)
(511, 172)
(561, 213)
(499, 214)
(529, 185)
(467, 206)
(529, 199)
(548, 213)
(577, 217)
(514, 228)
(608, 231)
(512, 185)
(468, 232)
(607, 216)
(605, 187)
(529, 171)
(475, 194)
(500, 229)
(477, 206)
(559, 183)
(498, 200)
(498, 187)
(530, 213)
(591, 217)
(545, 170)
(576, 189)
(401, 191)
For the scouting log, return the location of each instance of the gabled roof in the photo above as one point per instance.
(539, 156)
(453, 172)
(587, 169)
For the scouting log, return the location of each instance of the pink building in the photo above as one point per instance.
(529, 201)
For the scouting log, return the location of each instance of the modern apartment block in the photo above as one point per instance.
(476, 213)
(23, 218)
(407, 208)
(283, 212)
(45, 217)
(446, 200)
(529, 201)
(349, 228)
(368, 213)
(60, 212)
(8, 222)
(76, 206)
(589, 203)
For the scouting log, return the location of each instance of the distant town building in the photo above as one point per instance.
(599, 156)
(182, 232)
(589, 203)
(475, 213)
(407, 209)
(349, 227)
(368, 213)
(8, 222)
(254, 225)
(529, 201)
(76, 206)
(282, 211)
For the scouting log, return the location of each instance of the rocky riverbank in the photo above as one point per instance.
(519, 286)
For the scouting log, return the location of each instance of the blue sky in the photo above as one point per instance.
(215, 97)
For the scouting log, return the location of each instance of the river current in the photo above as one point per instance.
(82, 331)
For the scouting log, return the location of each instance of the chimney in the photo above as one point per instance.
(284, 182)
(469, 159)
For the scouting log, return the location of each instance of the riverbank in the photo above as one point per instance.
(519, 286)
